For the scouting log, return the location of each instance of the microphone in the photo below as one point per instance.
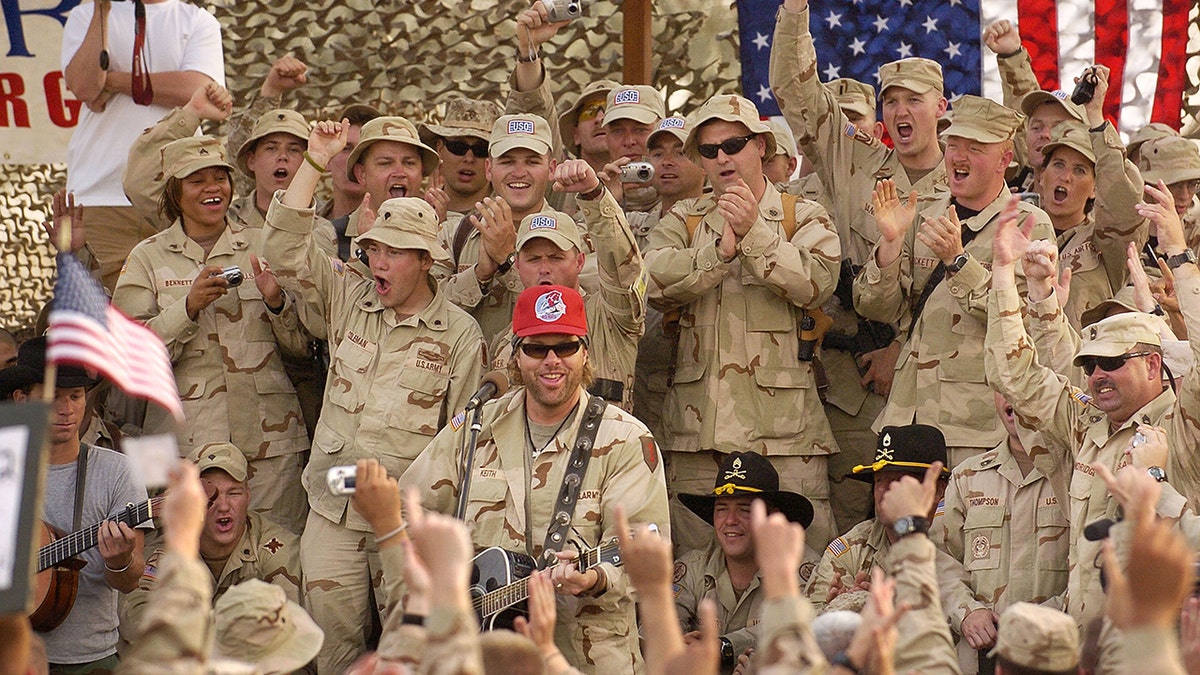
(495, 384)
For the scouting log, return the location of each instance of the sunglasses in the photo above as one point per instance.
(591, 111)
(731, 146)
(1108, 363)
(561, 350)
(460, 148)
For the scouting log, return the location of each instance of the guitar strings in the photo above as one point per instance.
(61, 549)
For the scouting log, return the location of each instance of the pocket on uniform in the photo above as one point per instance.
(348, 388)
(418, 404)
(190, 388)
(486, 509)
(327, 440)
(982, 530)
(1053, 538)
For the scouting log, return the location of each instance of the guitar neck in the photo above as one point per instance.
(518, 591)
(79, 541)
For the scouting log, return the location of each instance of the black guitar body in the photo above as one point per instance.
(494, 569)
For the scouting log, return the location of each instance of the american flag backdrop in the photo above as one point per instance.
(1143, 42)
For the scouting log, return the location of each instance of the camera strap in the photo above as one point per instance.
(143, 90)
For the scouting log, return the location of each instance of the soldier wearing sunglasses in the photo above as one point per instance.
(1122, 358)
(461, 140)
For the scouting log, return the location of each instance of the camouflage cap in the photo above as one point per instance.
(1117, 335)
(543, 310)
(675, 125)
(465, 118)
(1073, 135)
(984, 120)
(853, 96)
(185, 156)
(405, 223)
(1171, 159)
(224, 456)
(911, 449)
(549, 224)
(731, 108)
(256, 623)
(1035, 99)
(531, 132)
(638, 102)
(395, 129)
(785, 142)
(914, 73)
(1147, 133)
(1123, 301)
(1032, 636)
(570, 119)
(280, 121)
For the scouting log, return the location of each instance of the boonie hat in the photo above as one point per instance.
(1171, 159)
(638, 102)
(908, 449)
(1116, 335)
(1034, 100)
(397, 129)
(405, 223)
(749, 474)
(853, 96)
(549, 224)
(1070, 134)
(30, 369)
(256, 623)
(914, 73)
(570, 119)
(675, 125)
(785, 142)
(223, 456)
(731, 108)
(984, 120)
(1148, 133)
(549, 309)
(465, 118)
(185, 156)
(1037, 637)
(531, 132)
(281, 121)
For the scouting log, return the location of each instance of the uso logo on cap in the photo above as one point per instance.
(520, 127)
(550, 307)
(626, 96)
(543, 223)
(671, 122)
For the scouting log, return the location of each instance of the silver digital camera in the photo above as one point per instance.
(637, 172)
(232, 274)
(564, 10)
(341, 479)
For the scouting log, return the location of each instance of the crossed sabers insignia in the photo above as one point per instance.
(736, 472)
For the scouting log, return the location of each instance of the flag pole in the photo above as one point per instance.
(62, 242)
(638, 52)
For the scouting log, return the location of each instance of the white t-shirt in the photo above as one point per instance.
(179, 36)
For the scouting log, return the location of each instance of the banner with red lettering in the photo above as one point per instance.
(37, 113)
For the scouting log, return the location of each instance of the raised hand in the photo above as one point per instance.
(1159, 209)
(738, 207)
(534, 28)
(267, 284)
(574, 175)
(326, 140)
(779, 549)
(1095, 107)
(436, 196)
(892, 215)
(1002, 37)
(1011, 240)
(499, 237)
(376, 498)
(366, 214)
(908, 497)
(184, 510)
(65, 213)
(286, 74)
(206, 288)
(211, 102)
(943, 236)
(1040, 263)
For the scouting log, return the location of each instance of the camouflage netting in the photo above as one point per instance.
(407, 58)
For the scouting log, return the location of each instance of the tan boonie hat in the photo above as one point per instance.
(675, 125)
(256, 623)
(914, 73)
(984, 120)
(465, 118)
(1123, 300)
(1117, 335)
(853, 96)
(1037, 637)
(1070, 134)
(397, 129)
(531, 132)
(223, 456)
(569, 119)
(1034, 100)
(405, 223)
(1171, 159)
(549, 224)
(185, 156)
(1148, 133)
(638, 102)
(273, 121)
(731, 108)
(785, 142)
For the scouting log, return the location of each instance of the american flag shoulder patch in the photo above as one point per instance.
(1080, 396)
(458, 420)
(837, 547)
(941, 508)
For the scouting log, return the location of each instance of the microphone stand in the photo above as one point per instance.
(468, 455)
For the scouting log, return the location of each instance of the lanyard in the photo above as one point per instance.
(143, 91)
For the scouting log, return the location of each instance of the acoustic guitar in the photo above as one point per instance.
(57, 580)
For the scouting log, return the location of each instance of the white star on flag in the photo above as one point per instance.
(764, 93)
(905, 50)
(881, 24)
(858, 47)
(832, 73)
(761, 41)
(833, 20)
(952, 50)
(930, 24)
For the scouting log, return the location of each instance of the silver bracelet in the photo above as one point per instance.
(389, 535)
(120, 570)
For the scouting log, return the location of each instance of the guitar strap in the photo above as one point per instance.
(568, 494)
(80, 483)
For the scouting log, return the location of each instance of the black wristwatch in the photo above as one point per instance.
(507, 264)
(842, 660)
(1157, 473)
(958, 263)
(728, 658)
(1188, 256)
(910, 525)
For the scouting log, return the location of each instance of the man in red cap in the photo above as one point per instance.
(533, 449)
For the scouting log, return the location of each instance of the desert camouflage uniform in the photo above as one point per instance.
(512, 501)
(655, 354)
(855, 551)
(1078, 435)
(941, 361)
(1016, 80)
(996, 523)
(924, 645)
(739, 384)
(615, 315)
(266, 552)
(392, 384)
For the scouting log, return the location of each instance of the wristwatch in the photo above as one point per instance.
(958, 263)
(1157, 473)
(1188, 256)
(910, 525)
(728, 658)
(507, 264)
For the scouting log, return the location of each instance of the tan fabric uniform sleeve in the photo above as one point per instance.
(143, 181)
(925, 645)
(1182, 425)
(958, 599)
(787, 644)
(538, 102)
(1016, 80)
(241, 123)
(177, 633)
(299, 264)
(622, 271)
(1118, 190)
(679, 274)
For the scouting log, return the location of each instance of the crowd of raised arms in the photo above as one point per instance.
(567, 384)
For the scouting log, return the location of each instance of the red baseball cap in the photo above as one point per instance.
(543, 310)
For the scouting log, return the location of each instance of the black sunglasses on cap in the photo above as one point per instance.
(1107, 363)
(731, 146)
(562, 349)
(480, 148)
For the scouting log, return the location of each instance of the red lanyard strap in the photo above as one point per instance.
(143, 90)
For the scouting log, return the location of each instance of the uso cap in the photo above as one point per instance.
(549, 224)
(257, 624)
(1035, 99)
(1032, 636)
(909, 449)
(1070, 134)
(545, 310)
(915, 74)
(675, 125)
(853, 96)
(570, 119)
(982, 119)
(1148, 133)
(638, 102)
(405, 223)
(731, 108)
(279, 121)
(465, 118)
(1171, 159)
(185, 156)
(396, 129)
(531, 132)
(1117, 335)
(223, 456)
(749, 474)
